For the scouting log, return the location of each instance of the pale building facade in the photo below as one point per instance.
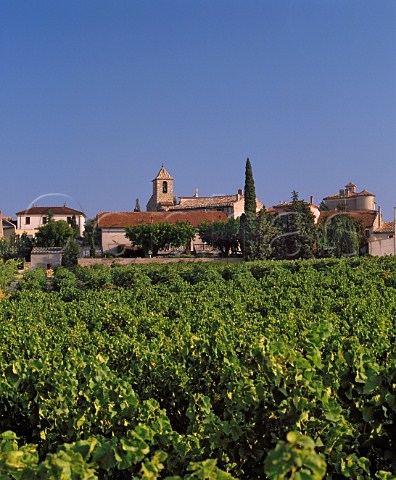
(31, 219)
(7, 228)
(348, 198)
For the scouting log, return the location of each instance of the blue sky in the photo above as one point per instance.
(95, 95)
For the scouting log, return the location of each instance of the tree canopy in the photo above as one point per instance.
(250, 191)
(92, 235)
(17, 247)
(247, 230)
(341, 236)
(54, 234)
(221, 235)
(152, 237)
(299, 234)
(265, 232)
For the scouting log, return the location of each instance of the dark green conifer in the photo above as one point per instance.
(247, 230)
(250, 191)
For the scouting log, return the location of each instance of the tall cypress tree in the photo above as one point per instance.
(247, 230)
(250, 191)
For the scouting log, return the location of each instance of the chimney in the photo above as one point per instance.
(240, 194)
(311, 200)
(196, 191)
(379, 216)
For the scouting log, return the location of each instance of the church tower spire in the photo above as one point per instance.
(162, 197)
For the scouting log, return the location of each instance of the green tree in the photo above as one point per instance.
(5, 249)
(152, 237)
(323, 207)
(70, 255)
(247, 230)
(342, 207)
(17, 247)
(341, 236)
(250, 191)
(23, 246)
(92, 235)
(74, 226)
(221, 235)
(265, 232)
(299, 235)
(54, 234)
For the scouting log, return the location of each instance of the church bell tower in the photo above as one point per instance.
(162, 197)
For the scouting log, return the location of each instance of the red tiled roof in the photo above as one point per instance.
(53, 210)
(386, 227)
(363, 193)
(124, 219)
(350, 184)
(366, 217)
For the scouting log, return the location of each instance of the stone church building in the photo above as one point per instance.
(164, 199)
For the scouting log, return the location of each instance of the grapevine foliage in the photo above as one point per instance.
(263, 370)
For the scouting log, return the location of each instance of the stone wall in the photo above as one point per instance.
(386, 246)
(89, 262)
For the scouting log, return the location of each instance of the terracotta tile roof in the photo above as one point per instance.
(124, 219)
(366, 217)
(163, 175)
(207, 202)
(55, 210)
(386, 227)
(350, 184)
(363, 193)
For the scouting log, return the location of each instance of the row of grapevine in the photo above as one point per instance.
(7, 273)
(251, 371)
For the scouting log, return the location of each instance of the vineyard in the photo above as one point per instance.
(261, 370)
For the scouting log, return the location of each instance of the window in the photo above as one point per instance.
(164, 187)
(45, 219)
(69, 220)
(367, 232)
(27, 221)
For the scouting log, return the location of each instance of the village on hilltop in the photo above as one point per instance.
(166, 207)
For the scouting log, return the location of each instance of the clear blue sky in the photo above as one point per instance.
(95, 95)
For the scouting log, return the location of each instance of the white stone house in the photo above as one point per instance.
(31, 219)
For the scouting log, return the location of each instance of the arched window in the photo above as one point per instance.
(164, 187)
